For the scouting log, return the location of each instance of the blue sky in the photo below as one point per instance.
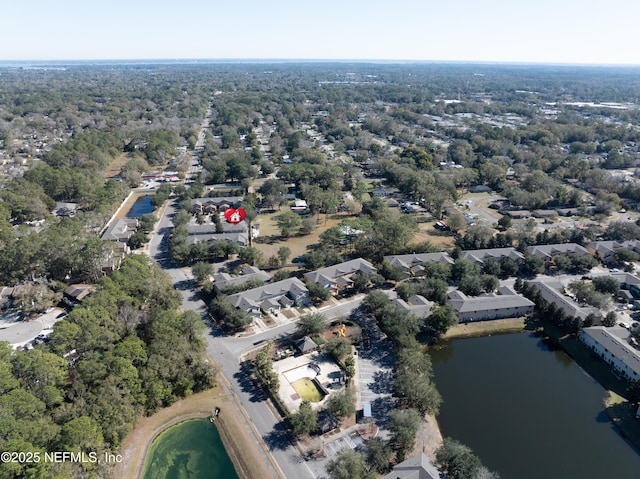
(544, 31)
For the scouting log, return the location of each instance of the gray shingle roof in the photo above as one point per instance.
(224, 280)
(551, 291)
(416, 467)
(481, 255)
(550, 250)
(616, 340)
(120, 230)
(332, 272)
(240, 238)
(488, 302)
(256, 296)
(407, 260)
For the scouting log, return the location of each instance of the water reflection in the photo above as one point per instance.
(529, 412)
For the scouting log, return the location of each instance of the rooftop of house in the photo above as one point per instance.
(481, 255)
(407, 260)
(249, 273)
(552, 291)
(616, 341)
(120, 230)
(210, 228)
(240, 238)
(415, 467)
(549, 250)
(416, 304)
(216, 201)
(341, 269)
(256, 296)
(505, 298)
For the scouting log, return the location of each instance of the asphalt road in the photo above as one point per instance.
(227, 351)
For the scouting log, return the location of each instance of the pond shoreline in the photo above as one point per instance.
(239, 443)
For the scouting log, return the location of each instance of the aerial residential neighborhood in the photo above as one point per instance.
(292, 258)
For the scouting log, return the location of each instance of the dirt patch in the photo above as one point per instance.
(429, 438)
(240, 443)
(438, 238)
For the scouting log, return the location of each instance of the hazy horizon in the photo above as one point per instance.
(205, 61)
(495, 31)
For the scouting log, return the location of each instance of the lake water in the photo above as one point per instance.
(141, 207)
(527, 412)
(189, 450)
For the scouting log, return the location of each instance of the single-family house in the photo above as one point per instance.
(412, 264)
(271, 297)
(505, 304)
(339, 276)
(77, 292)
(299, 206)
(65, 210)
(616, 346)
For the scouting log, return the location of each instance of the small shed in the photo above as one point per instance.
(77, 292)
(306, 345)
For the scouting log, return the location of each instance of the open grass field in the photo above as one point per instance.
(270, 240)
(427, 232)
(116, 165)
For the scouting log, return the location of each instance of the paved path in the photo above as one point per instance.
(374, 375)
(227, 352)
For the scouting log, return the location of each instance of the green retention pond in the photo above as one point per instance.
(190, 450)
(308, 390)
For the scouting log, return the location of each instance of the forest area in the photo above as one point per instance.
(345, 138)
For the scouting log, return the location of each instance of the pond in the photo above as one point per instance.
(141, 207)
(189, 450)
(308, 389)
(528, 412)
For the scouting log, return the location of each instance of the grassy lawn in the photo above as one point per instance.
(427, 232)
(486, 328)
(116, 165)
(270, 240)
